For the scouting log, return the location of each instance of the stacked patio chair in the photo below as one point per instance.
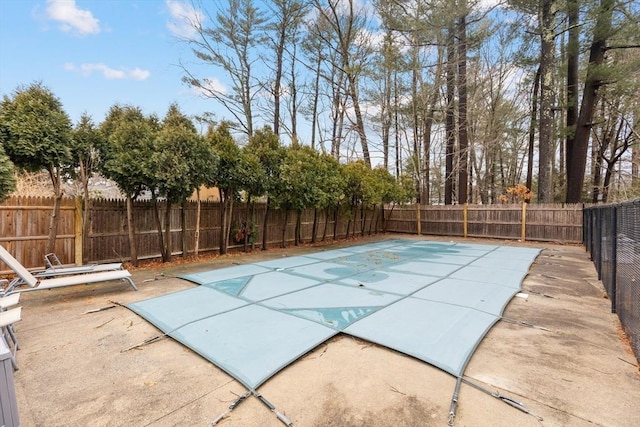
(9, 316)
(62, 276)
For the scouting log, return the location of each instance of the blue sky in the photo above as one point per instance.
(94, 53)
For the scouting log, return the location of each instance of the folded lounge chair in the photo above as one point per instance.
(25, 277)
(55, 268)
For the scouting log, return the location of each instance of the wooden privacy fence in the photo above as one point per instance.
(24, 223)
(539, 222)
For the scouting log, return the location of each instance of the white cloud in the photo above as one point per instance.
(214, 85)
(185, 19)
(71, 18)
(139, 74)
(108, 72)
(209, 86)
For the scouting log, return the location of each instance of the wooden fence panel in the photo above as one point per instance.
(442, 220)
(107, 236)
(401, 219)
(24, 229)
(561, 223)
(495, 221)
(549, 222)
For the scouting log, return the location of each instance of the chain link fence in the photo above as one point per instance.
(611, 234)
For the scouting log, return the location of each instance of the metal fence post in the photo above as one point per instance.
(614, 255)
(585, 228)
(598, 242)
(592, 237)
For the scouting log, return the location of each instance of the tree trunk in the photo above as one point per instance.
(385, 111)
(532, 128)
(297, 239)
(314, 229)
(247, 228)
(385, 220)
(573, 46)
(396, 125)
(278, 79)
(337, 79)
(353, 91)
(372, 220)
(597, 176)
(414, 116)
(426, 133)
(86, 210)
(133, 250)
(326, 223)
(156, 217)
(167, 239)
(314, 108)
(450, 119)
(592, 83)
(635, 163)
(335, 221)
(229, 219)
(55, 212)
(598, 161)
(617, 151)
(294, 97)
(607, 181)
(463, 138)
(223, 221)
(253, 226)
(284, 228)
(196, 250)
(545, 144)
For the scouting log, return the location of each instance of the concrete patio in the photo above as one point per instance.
(567, 364)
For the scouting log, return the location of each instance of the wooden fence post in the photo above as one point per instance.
(465, 219)
(523, 228)
(77, 229)
(419, 219)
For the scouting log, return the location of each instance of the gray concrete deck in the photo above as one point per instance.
(573, 369)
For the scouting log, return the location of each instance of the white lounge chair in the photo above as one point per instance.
(9, 316)
(25, 277)
(55, 268)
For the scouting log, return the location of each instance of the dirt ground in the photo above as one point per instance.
(572, 368)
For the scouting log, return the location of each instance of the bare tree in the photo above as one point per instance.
(283, 30)
(236, 28)
(352, 45)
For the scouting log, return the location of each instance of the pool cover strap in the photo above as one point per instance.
(282, 417)
(231, 407)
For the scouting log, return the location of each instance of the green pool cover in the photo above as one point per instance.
(431, 300)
